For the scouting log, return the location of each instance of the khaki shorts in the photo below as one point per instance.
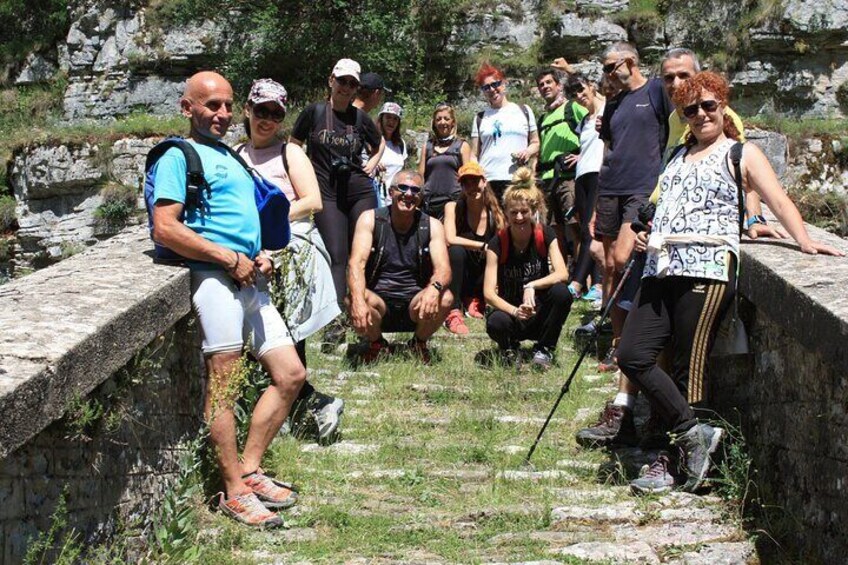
(560, 201)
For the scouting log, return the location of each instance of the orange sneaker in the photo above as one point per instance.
(455, 324)
(272, 493)
(419, 349)
(476, 307)
(375, 350)
(248, 509)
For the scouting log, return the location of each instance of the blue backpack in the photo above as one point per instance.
(272, 204)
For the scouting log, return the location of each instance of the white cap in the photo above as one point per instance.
(347, 68)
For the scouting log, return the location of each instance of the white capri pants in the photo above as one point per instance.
(230, 316)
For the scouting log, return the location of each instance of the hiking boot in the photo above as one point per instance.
(656, 479)
(335, 333)
(419, 349)
(609, 364)
(476, 307)
(376, 349)
(455, 324)
(654, 433)
(327, 411)
(696, 446)
(247, 509)
(510, 357)
(273, 494)
(614, 426)
(543, 359)
(588, 330)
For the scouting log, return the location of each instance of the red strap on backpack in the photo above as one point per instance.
(538, 239)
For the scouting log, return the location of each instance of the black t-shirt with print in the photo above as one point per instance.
(343, 140)
(520, 267)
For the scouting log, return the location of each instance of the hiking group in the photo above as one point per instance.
(472, 231)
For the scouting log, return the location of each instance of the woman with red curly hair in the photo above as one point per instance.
(504, 135)
(690, 273)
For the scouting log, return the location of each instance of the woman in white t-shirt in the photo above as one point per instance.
(504, 135)
(587, 166)
(395, 155)
(306, 306)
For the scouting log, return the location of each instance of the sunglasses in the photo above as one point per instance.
(491, 86)
(709, 106)
(265, 113)
(347, 82)
(610, 67)
(573, 91)
(410, 188)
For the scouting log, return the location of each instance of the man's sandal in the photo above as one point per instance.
(274, 494)
(248, 509)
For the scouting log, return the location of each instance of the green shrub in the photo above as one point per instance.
(8, 217)
(119, 204)
(30, 25)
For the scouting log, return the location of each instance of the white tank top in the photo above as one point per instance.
(698, 201)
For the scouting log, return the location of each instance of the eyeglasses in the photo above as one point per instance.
(347, 82)
(491, 86)
(708, 106)
(265, 113)
(410, 188)
(573, 91)
(610, 67)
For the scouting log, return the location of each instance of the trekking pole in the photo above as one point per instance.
(638, 227)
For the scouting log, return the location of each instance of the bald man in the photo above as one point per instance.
(221, 241)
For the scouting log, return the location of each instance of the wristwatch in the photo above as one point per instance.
(757, 219)
(438, 285)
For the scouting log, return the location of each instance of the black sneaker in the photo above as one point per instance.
(335, 334)
(654, 434)
(656, 479)
(696, 446)
(614, 426)
(510, 357)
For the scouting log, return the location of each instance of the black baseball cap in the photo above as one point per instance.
(373, 81)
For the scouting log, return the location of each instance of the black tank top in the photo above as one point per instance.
(440, 171)
(464, 229)
(398, 276)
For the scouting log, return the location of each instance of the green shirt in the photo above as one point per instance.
(557, 137)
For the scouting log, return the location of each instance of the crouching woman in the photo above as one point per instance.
(525, 277)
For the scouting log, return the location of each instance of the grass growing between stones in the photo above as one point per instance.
(429, 468)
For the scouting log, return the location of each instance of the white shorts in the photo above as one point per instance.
(229, 316)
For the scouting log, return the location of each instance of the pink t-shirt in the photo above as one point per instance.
(269, 162)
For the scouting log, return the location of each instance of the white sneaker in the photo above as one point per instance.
(328, 417)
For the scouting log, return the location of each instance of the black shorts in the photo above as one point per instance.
(560, 201)
(397, 315)
(613, 211)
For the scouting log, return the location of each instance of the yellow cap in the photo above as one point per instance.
(471, 169)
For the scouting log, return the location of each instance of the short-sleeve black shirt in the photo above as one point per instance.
(343, 139)
(520, 267)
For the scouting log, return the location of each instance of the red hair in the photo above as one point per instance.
(487, 70)
(691, 90)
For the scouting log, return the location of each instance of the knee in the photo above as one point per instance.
(560, 295)
(630, 361)
(456, 253)
(498, 322)
(446, 303)
(291, 378)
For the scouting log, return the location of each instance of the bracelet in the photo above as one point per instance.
(530, 286)
(757, 219)
(234, 267)
(515, 312)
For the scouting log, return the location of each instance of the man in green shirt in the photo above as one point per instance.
(559, 138)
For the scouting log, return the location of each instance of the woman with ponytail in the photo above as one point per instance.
(525, 278)
(441, 157)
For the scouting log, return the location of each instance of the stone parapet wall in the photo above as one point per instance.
(109, 325)
(791, 393)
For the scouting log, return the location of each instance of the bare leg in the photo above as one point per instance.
(218, 410)
(378, 311)
(425, 328)
(287, 376)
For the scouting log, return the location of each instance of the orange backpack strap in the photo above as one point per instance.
(539, 236)
(503, 235)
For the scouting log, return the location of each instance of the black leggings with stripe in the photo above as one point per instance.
(687, 312)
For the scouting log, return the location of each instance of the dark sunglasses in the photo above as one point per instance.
(265, 113)
(491, 86)
(610, 67)
(410, 188)
(709, 106)
(348, 82)
(573, 91)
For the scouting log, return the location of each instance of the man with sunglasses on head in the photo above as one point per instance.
(399, 272)
(634, 129)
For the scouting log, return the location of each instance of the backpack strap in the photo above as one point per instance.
(423, 240)
(539, 237)
(428, 150)
(285, 157)
(195, 180)
(503, 236)
(378, 243)
(659, 102)
(736, 159)
(479, 137)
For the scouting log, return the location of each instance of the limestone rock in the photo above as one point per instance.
(37, 68)
(128, 156)
(773, 145)
(607, 552)
(45, 171)
(576, 37)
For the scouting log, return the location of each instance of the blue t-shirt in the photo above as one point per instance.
(635, 132)
(229, 217)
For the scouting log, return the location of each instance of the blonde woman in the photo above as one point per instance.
(441, 157)
(525, 278)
